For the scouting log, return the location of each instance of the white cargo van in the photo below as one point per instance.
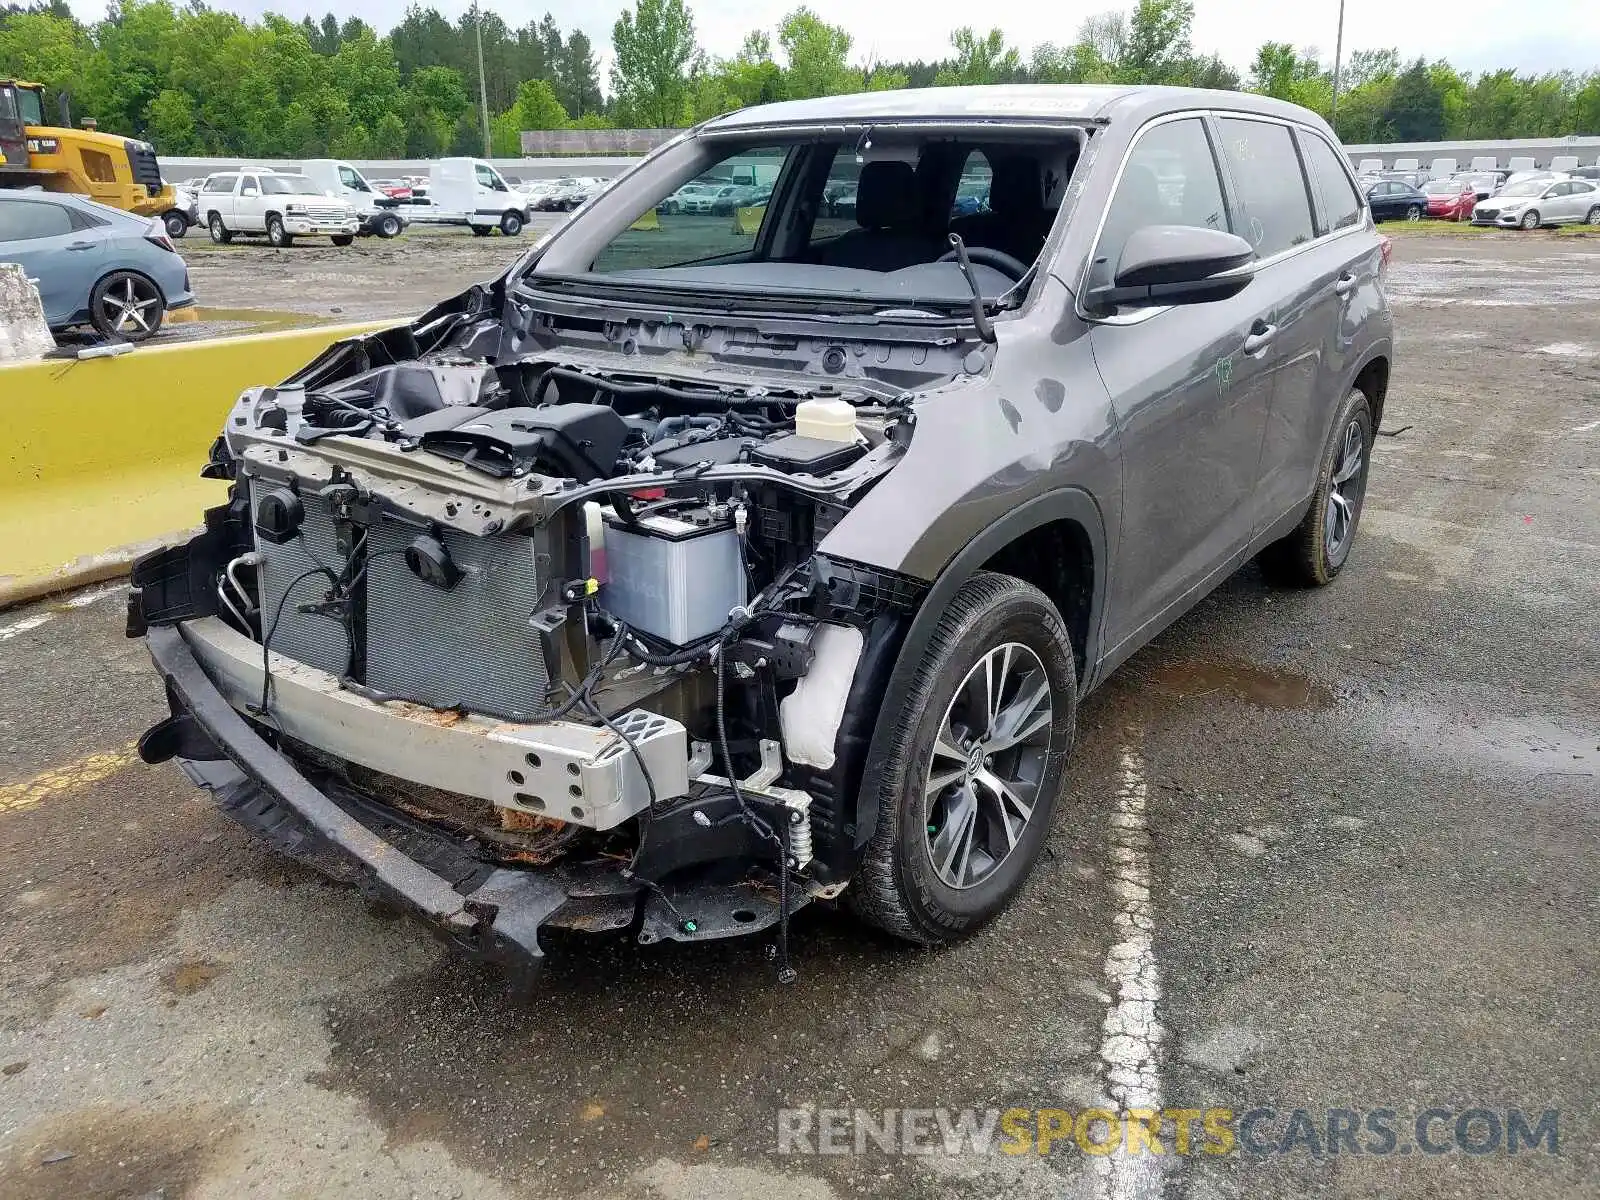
(380, 216)
(469, 191)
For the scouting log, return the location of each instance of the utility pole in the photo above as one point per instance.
(1338, 56)
(483, 83)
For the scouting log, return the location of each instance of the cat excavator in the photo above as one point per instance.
(114, 170)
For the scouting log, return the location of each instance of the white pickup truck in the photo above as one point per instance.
(281, 206)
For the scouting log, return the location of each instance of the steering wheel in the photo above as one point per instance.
(1015, 268)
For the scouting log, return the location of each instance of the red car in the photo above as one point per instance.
(1451, 199)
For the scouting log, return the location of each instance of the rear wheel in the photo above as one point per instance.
(1414, 212)
(1530, 219)
(342, 239)
(974, 766)
(1320, 546)
(1594, 216)
(220, 233)
(177, 224)
(481, 231)
(126, 305)
(388, 226)
(276, 233)
(511, 224)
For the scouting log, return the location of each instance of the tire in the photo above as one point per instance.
(1594, 216)
(1320, 545)
(127, 306)
(177, 224)
(946, 857)
(1414, 212)
(480, 230)
(389, 226)
(277, 235)
(1530, 219)
(511, 224)
(342, 239)
(220, 233)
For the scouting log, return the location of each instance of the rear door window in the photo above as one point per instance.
(1341, 205)
(220, 183)
(1269, 182)
(1170, 178)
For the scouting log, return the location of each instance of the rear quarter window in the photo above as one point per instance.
(1270, 184)
(1341, 204)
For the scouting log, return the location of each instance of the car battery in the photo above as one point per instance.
(675, 577)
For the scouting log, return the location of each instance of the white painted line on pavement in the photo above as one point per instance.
(1131, 1035)
(84, 599)
(7, 632)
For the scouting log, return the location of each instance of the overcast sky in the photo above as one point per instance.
(1529, 35)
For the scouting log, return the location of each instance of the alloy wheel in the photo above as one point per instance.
(1413, 213)
(982, 782)
(129, 306)
(1344, 496)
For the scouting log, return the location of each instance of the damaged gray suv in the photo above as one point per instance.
(683, 576)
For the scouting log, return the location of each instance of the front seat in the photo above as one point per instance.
(1017, 221)
(890, 232)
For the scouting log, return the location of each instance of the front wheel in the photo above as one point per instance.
(177, 224)
(1414, 212)
(220, 233)
(342, 239)
(1320, 545)
(511, 224)
(1530, 219)
(389, 226)
(277, 235)
(974, 766)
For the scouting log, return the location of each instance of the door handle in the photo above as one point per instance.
(1260, 335)
(81, 245)
(1344, 285)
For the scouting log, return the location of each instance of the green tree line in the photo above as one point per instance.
(195, 80)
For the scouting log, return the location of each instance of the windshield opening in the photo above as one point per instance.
(288, 185)
(1528, 187)
(849, 214)
(1443, 187)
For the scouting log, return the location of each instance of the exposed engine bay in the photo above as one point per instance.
(602, 590)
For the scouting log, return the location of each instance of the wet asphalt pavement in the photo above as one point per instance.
(1331, 850)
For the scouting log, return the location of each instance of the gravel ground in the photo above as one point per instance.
(1320, 850)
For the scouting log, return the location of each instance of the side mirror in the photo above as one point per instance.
(1177, 264)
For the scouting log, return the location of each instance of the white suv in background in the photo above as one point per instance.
(281, 206)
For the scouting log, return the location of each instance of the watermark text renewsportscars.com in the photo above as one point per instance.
(1253, 1132)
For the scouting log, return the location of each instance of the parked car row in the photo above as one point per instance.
(1527, 199)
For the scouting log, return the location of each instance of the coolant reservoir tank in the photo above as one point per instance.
(830, 419)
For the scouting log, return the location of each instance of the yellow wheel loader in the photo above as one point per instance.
(114, 170)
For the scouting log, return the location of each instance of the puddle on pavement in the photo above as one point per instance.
(1531, 746)
(263, 320)
(1264, 687)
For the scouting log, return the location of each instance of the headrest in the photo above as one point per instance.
(886, 195)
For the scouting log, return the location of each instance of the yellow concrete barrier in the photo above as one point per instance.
(748, 220)
(649, 221)
(101, 458)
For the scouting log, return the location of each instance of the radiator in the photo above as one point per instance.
(311, 638)
(471, 646)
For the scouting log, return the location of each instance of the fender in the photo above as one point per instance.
(1070, 503)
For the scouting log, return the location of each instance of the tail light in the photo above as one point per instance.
(157, 233)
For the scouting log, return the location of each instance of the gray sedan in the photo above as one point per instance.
(94, 265)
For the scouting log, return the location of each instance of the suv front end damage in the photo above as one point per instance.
(541, 642)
